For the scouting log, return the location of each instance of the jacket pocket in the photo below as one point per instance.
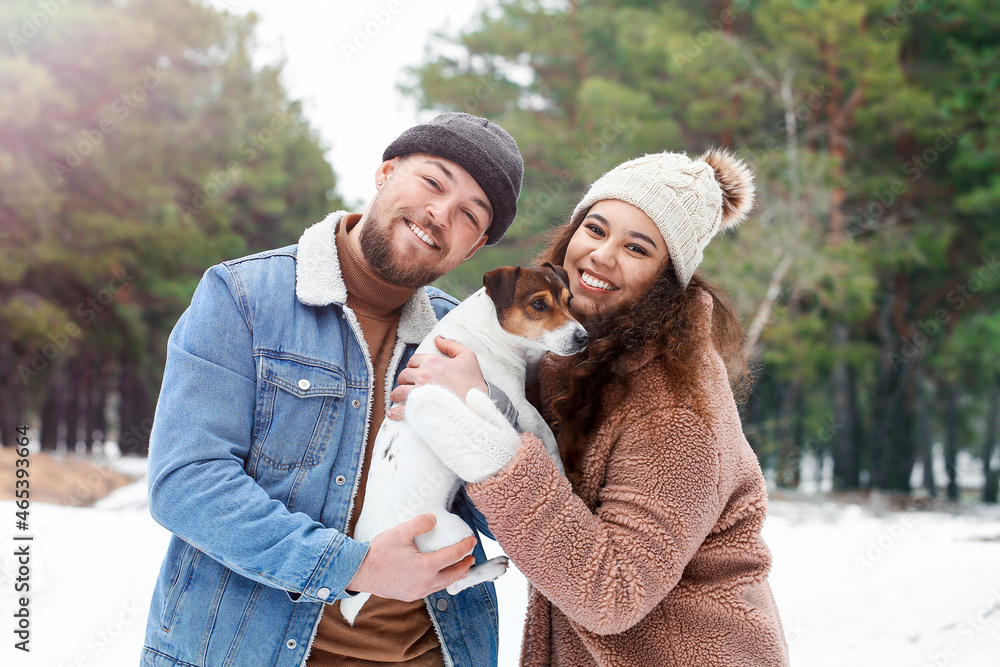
(171, 601)
(297, 407)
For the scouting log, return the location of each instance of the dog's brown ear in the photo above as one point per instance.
(559, 271)
(500, 284)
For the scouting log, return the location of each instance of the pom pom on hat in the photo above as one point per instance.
(690, 201)
(736, 182)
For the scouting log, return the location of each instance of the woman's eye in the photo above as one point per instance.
(595, 229)
(539, 304)
(638, 249)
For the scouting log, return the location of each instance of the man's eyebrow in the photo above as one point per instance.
(447, 172)
(475, 200)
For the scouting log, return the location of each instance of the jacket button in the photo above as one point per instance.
(356, 403)
(304, 384)
(340, 480)
(442, 604)
(323, 593)
(291, 643)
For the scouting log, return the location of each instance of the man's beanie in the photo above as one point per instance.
(689, 200)
(482, 148)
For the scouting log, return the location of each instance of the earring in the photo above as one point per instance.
(380, 183)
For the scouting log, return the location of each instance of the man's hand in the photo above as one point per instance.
(458, 372)
(394, 568)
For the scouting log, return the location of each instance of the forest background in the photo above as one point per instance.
(141, 143)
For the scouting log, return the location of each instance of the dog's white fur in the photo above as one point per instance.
(407, 479)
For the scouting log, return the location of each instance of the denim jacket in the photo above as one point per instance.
(255, 455)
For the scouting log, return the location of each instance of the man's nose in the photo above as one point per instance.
(439, 212)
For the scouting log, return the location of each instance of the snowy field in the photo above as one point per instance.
(900, 589)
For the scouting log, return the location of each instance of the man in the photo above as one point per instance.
(277, 378)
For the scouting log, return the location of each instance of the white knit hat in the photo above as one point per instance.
(689, 200)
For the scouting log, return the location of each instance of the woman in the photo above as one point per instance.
(650, 552)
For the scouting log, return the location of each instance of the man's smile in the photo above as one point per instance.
(420, 233)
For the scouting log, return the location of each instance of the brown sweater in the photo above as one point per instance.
(386, 631)
(659, 559)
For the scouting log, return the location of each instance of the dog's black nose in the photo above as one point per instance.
(581, 338)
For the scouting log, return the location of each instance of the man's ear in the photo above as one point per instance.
(479, 244)
(500, 284)
(386, 169)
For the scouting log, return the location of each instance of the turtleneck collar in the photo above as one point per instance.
(367, 291)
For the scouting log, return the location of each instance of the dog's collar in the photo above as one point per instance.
(319, 281)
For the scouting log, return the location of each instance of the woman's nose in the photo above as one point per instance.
(603, 254)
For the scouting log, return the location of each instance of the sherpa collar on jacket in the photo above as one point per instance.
(319, 282)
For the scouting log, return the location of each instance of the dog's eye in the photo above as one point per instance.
(539, 304)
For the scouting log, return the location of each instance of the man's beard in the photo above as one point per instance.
(385, 257)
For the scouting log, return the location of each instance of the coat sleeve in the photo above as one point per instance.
(605, 570)
(198, 488)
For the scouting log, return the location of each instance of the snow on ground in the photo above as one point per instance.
(907, 589)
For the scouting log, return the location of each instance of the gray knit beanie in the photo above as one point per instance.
(482, 148)
(689, 200)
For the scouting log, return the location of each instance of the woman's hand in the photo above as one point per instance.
(472, 438)
(458, 372)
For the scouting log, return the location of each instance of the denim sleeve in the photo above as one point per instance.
(201, 436)
(462, 498)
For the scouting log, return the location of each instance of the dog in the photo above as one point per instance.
(511, 323)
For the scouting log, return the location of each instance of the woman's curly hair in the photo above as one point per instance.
(666, 318)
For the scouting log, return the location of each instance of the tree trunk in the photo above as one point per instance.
(135, 413)
(96, 426)
(881, 403)
(893, 414)
(925, 442)
(951, 424)
(71, 386)
(51, 413)
(845, 458)
(84, 392)
(789, 456)
(856, 428)
(11, 391)
(991, 476)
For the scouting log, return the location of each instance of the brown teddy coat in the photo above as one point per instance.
(659, 559)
